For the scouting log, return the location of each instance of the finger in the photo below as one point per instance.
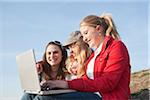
(43, 82)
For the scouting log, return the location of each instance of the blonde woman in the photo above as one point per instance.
(79, 54)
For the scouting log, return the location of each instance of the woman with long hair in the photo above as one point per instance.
(51, 67)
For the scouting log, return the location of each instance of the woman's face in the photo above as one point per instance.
(53, 55)
(90, 35)
(73, 50)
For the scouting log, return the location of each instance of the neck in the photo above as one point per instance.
(54, 68)
(100, 40)
(54, 71)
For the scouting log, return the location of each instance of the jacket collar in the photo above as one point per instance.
(107, 41)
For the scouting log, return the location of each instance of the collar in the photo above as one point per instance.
(106, 42)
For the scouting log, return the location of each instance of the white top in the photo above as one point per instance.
(90, 66)
(70, 77)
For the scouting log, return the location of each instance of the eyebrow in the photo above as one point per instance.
(55, 51)
(85, 31)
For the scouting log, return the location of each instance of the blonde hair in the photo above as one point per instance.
(105, 20)
(82, 53)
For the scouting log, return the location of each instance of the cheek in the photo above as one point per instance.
(46, 57)
(77, 50)
(90, 35)
(94, 35)
(60, 59)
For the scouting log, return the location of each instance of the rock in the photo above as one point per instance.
(144, 94)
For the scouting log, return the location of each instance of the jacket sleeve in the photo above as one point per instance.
(115, 66)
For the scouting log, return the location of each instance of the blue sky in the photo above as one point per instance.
(33, 23)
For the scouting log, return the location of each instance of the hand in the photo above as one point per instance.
(74, 67)
(54, 84)
(69, 62)
(39, 67)
(71, 69)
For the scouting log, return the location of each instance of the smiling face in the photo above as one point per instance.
(53, 55)
(91, 35)
(73, 50)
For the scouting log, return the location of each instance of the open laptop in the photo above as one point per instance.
(29, 77)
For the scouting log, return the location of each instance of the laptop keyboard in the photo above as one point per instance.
(47, 89)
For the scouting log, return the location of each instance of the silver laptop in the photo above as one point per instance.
(29, 77)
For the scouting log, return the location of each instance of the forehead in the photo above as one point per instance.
(53, 47)
(84, 28)
(71, 44)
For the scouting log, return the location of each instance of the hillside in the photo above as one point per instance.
(140, 85)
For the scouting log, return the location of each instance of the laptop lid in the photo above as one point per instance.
(27, 71)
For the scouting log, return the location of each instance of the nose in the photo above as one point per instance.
(51, 55)
(71, 51)
(84, 39)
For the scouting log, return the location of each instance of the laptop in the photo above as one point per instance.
(29, 77)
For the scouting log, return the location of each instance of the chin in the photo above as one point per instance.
(91, 46)
(52, 64)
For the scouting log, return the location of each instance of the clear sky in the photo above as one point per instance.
(33, 23)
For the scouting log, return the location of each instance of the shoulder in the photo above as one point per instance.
(118, 44)
(115, 46)
(114, 43)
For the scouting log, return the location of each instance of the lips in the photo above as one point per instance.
(88, 41)
(52, 60)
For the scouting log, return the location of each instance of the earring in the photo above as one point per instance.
(100, 33)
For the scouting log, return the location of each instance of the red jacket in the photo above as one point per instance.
(111, 72)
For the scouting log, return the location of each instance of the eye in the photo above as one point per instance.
(55, 52)
(85, 32)
(49, 53)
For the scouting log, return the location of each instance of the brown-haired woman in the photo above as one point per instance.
(52, 67)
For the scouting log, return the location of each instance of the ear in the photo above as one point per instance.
(98, 27)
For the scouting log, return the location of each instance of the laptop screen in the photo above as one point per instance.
(27, 71)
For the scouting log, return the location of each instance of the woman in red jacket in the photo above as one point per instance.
(108, 68)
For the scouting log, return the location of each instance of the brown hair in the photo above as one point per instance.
(105, 21)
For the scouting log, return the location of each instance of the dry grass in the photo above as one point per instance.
(140, 80)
